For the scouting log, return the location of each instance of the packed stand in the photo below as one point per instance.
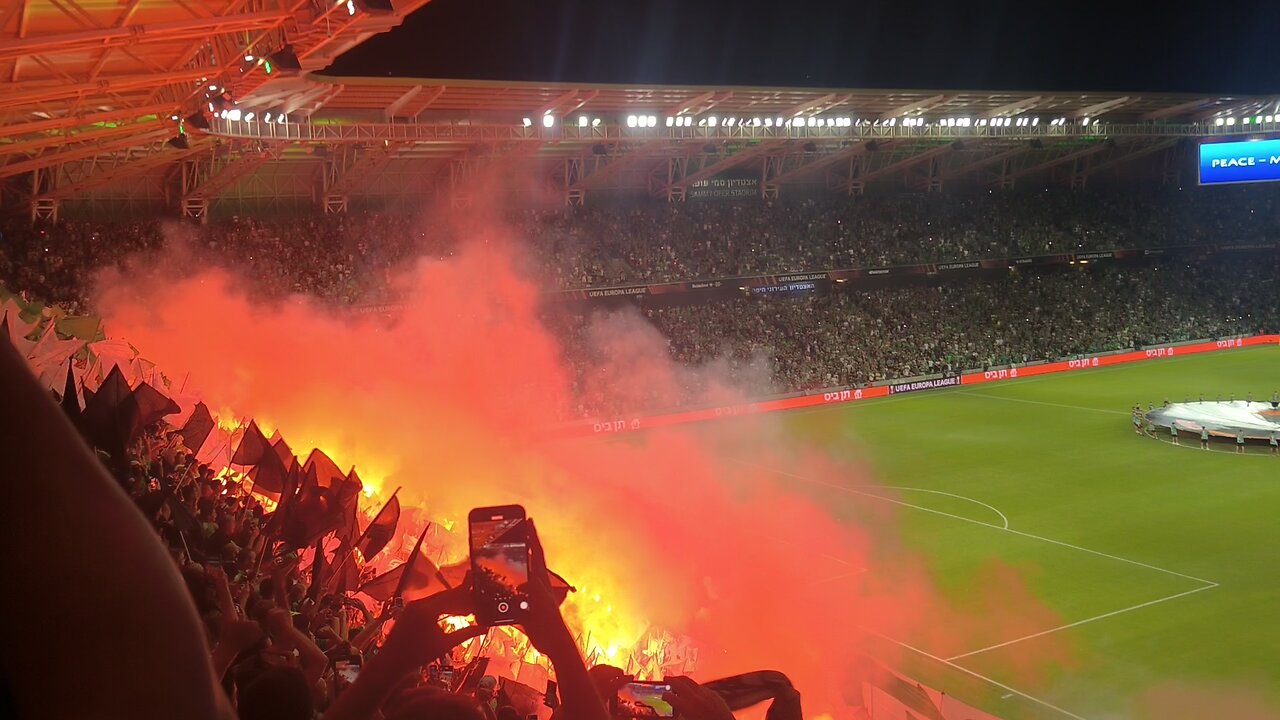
(277, 642)
(347, 258)
(772, 345)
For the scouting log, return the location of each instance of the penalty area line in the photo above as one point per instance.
(1085, 621)
(984, 678)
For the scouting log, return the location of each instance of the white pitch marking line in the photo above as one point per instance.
(1086, 621)
(992, 508)
(1099, 553)
(984, 678)
(970, 393)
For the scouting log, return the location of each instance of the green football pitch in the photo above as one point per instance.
(1161, 563)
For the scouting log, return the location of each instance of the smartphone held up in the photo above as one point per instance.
(642, 700)
(499, 564)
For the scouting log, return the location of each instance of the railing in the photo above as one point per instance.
(461, 132)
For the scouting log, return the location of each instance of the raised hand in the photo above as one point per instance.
(694, 702)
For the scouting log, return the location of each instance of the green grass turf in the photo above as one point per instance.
(1057, 455)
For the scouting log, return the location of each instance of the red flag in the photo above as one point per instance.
(146, 405)
(253, 446)
(381, 529)
(197, 429)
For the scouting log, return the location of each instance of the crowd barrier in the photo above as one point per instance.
(845, 395)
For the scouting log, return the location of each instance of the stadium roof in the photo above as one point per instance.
(106, 99)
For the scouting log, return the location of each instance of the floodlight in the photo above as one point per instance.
(631, 121)
(548, 121)
(582, 121)
(526, 122)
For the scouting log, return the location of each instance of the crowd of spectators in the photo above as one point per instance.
(346, 258)
(274, 642)
(767, 345)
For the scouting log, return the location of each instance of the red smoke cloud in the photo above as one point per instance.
(685, 529)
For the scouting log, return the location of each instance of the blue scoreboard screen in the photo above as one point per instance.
(1239, 162)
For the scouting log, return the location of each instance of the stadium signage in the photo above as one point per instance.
(617, 292)
(1239, 162)
(931, 384)
(722, 187)
(878, 271)
(1095, 256)
(798, 287)
(960, 265)
(852, 395)
(805, 276)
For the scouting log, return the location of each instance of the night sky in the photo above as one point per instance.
(1220, 47)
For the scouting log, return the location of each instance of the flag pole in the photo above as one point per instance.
(347, 555)
(408, 571)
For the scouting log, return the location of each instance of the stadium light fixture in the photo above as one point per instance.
(249, 58)
(711, 121)
(351, 7)
(548, 120)
(583, 121)
(653, 121)
(526, 122)
(671, 121)
(813, 121)
(1271, 118)
(1244, 121)
(266, 118)
(631, 121)
(893, 121)
(768, 122)
(1035, 121)
(778, 122)
(1085, 123)
(234, 114)
(248, 116)
(283, 119)
(1257, 119)
(1231, 121)
(595, 122)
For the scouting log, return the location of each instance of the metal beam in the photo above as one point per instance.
(1013, 108)
(916, 106)
(231, 171)
(551, 106)
(135, 34)
(43, 143)
(823, 162)
(954, 172)
(1056, 161)
(124, 169)
(1178, 109)
(904, 163)
(1099, 108)
(399, 102)
(1130, 153)
(80, 152)
(809, 105)
(693, 102)
(615, 167)
(47, 92)
(721, 165)
(71, 121)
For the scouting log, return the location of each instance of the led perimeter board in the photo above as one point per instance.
(1239, 162)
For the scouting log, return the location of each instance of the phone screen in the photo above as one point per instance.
(346, 670)
(499, 564)
(643, 700)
